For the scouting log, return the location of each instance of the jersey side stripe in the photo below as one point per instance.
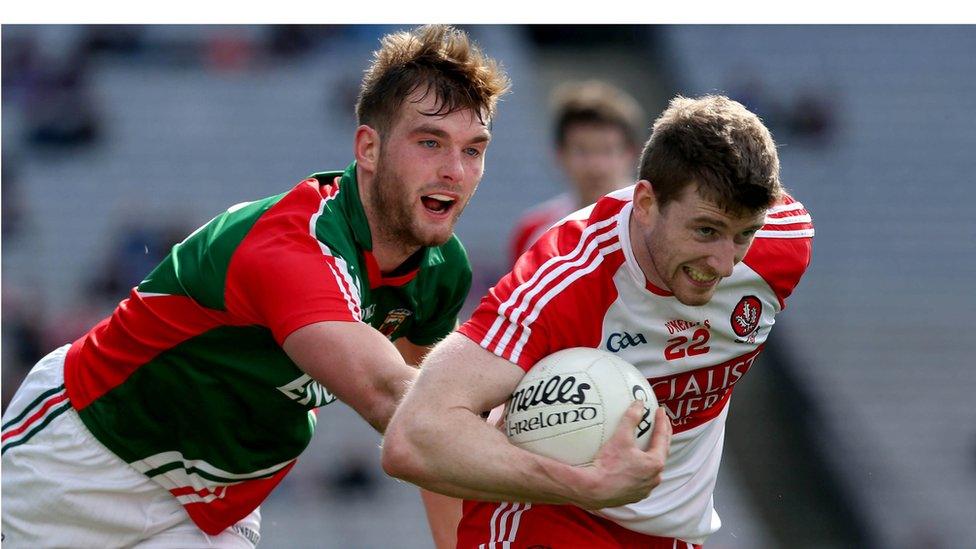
(539, 273)
(555, 262)
(337, 265)
(494, 517)
(613, 246)
(805, 218)
(779, 208)
(537, 285)
(518, 318)
(503, 521)
(515, 522)
(802, 233)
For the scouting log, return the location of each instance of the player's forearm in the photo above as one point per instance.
(386, 395)
(457, 454)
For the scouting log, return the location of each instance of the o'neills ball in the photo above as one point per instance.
(571, 402)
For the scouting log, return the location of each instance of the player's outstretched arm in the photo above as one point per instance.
(355, 363)
(438, 440)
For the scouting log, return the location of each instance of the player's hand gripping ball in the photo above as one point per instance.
(571, 402)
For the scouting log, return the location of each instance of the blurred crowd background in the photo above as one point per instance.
(856, 429)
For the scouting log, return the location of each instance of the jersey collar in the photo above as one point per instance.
(352, 205)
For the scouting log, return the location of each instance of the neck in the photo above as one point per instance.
(643, 257)
(389, 249)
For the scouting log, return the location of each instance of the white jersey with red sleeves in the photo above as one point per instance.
(579, 285)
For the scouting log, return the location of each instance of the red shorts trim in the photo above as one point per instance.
(537, 526)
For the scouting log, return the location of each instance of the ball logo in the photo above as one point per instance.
(556, 389)
(745, 316)
(645, 422)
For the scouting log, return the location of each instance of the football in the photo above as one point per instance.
(571, 402)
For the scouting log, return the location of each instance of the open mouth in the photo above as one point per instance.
(438, 204)
(699, 278)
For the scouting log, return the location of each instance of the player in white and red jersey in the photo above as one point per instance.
(598, 131)
(681, 275)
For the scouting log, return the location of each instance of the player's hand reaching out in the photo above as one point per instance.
(623, 473)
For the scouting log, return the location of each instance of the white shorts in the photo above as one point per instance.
(62, 488)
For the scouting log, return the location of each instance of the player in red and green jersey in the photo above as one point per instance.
(199, 390)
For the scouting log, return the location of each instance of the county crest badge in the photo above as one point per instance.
(393, 321)
(746, 315)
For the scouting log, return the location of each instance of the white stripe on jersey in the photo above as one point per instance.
(516, 520)
(800, 233)
(340, 270)
(539, 273)
(530, 303)
(150, 294)
(503, 521)
(612, 247)
(784, 208)
(805, 218)
(491, 525)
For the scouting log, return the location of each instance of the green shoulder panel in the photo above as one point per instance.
(197, 267)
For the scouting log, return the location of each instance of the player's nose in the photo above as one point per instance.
(452, 167)
(723, 258)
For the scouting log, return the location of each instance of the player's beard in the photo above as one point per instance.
(396, 212)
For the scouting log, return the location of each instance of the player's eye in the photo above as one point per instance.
(428, 143)
(471, 151)
(746, 236)
(706, 232)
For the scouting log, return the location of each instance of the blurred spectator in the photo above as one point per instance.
(23, 336)
(137, 250)
(11, 200)
(58, 106)
(118, 39)
(598, 135)
(749, 88)
(812, 118)
(229, 51)
(296, 40)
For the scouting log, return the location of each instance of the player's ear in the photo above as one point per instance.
(366, 146)
(644, 201)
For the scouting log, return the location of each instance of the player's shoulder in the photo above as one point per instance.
(578, 245)
(782, 249)
(600, 218)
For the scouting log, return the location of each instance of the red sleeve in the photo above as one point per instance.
(782, 249)
(283, 278)
(555, 297)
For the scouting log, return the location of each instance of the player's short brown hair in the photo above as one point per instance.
(597, 102)
(718, 144)
(436, 58)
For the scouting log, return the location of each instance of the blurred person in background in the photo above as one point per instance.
(169, 422)
(598, 133)
(682, 275)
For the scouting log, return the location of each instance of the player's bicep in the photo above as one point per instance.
(458, 373)
(355, 363)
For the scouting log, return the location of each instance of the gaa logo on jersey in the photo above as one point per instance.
(745, 316)
(393, 321)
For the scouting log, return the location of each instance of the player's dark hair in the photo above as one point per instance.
(594, 102)
(719, 145)
(438, 59)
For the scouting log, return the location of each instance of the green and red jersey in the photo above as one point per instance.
(187, 380)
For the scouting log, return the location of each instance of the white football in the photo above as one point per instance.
(571, 401)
